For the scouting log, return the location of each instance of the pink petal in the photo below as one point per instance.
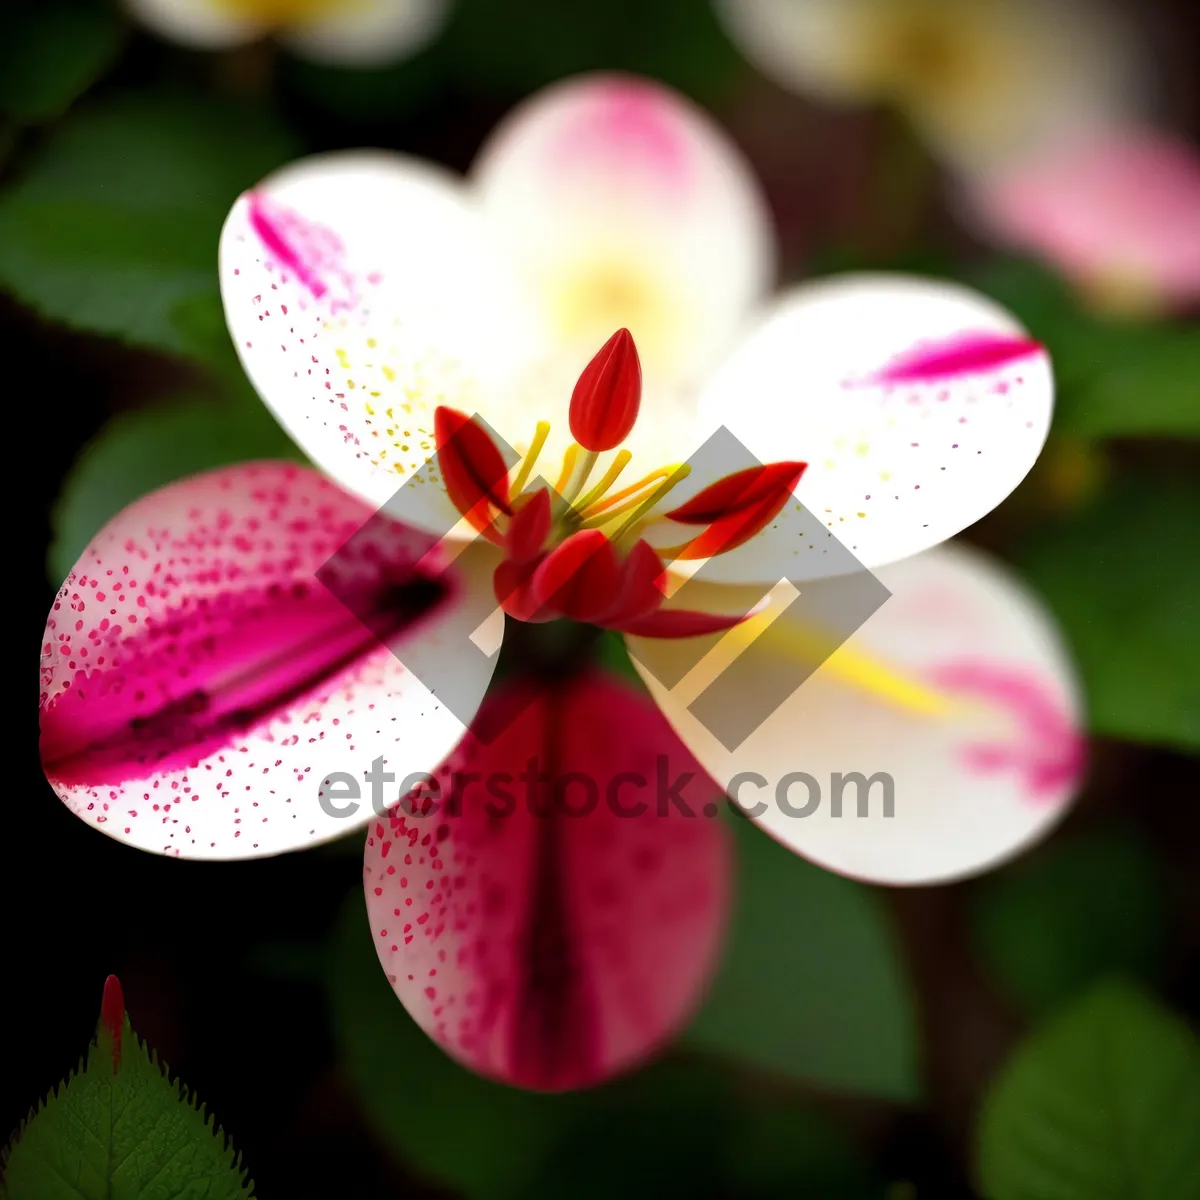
(200, 683)
(1122, 208)
(552, 952)
(621, 203)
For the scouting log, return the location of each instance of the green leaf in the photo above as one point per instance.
(374, 96)
(811, 985)
(1101, 1103)
(1123, 578)
(676, 1128)
(677, 41)
(52, 53)
(114, 227)
(121, 1129)
(138, 451)
(1115, 379)
(690, 1129)
(1055, 922)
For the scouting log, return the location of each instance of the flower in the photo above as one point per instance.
(1116, 212)
(205, 686)
(984, 80)
(342, 32)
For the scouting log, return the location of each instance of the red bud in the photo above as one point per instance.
(604, 404)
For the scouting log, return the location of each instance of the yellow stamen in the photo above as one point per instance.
(568, 468)
(634, 489)
(678, 474)
(617, 465)
(535, 448)
(579, 475)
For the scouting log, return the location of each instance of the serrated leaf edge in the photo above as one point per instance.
(181, 1090)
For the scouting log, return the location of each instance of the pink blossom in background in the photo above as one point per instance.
(1118, 213)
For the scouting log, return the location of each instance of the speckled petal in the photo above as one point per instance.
(918, 406)
(369, 32)
(200, 684)
(359, 294)
(957, 689)
(553, 951)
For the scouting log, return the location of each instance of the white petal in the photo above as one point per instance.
(898, 395)
(369, 32)
(972, 784)
(360, 295)
(622, 204)
(206, 24)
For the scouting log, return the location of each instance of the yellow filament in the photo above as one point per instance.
(615, 468)
(678, 473)
(568, 468)
(634, 489)
(579, 475)
(535, 448)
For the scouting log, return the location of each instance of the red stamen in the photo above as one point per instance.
(680, 623)
(638, 590)
(473, 469)
(579, 578)
(737, 507)
(528, 529)
(512, 585)
(604, 404)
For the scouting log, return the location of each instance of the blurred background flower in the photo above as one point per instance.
(1116, 212)
(349, 32)
(984, 81)
(1003, 1037)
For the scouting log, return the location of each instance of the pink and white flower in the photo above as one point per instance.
(200, 688)
(359, 33)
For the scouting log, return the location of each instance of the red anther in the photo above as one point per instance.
(638, 590)
(112, 1015)
(529, 526)
(578, 579)
(511, 583)
(680, 623)
(737, 507)
(473, 469)
(604, 404)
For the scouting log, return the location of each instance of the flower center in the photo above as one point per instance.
(283, 12)
(588, 299)
(573, 549)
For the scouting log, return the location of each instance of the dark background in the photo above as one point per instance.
(225, 965)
